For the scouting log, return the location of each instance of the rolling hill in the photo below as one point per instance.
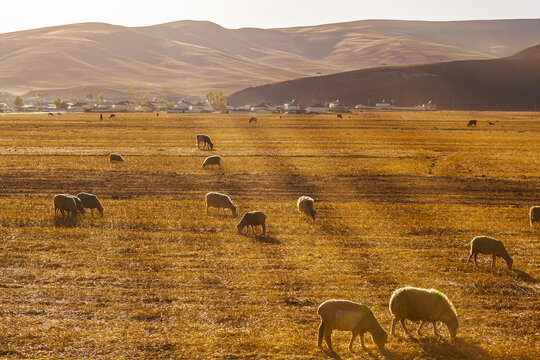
(511, 83)
(192, 57)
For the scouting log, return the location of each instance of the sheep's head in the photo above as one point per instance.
(211, 146)
(233, 209)
(381, 339)
(452, 325)
(509, 262)
(313, 213)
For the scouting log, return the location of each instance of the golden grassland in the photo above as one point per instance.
(398, 195)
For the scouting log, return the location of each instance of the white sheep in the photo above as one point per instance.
(305, 206)
(219, 201)
(65, 202)
(78, 202)
(90, 201)
(212, 160)
(252, 218)
(489, 246)
(425, 305)
(115, 157)
(346, 315)
(205, 139)
(534, 215)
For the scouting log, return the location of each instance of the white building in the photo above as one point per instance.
(292, 107)
(263, 108)
(124, 105)
(317, 109)
(337, 107)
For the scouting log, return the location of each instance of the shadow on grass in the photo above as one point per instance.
(64, 222)
(435, 349)
(263, 238)
(522, 275)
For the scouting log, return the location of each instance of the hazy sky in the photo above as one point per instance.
(28, 14)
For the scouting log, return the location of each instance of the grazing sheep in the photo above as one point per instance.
(51, 114)
(90, 201)
(472, 123)
(115, 157)
(252, 120)
(205, 139)
(346, 315)
(219, 201)
(491, 123)
(305, 206)
(65, 202)
(212, 160)
(252, 218)
(339, 116)
(80, 207)
(59, 114)
(426, 305)
(534, 215)
(489, 246)
(112, 116)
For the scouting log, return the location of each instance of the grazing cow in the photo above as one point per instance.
(472, 123)
(339, 116)
(252, 120)
(51, 114)
(491, 123)
(205, 139)
(100, 116)
(112, 116)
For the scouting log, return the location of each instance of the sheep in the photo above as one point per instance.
(212, 160)
(65, 202)
(252, 218)
(51, 114)
(534, 215)
(205, 139)
(90, 201)
(489, 246)
(339, 116)
(305, 206)
(115, 157)
(252, 120)
(426, 305)
(112, 116)
(472, 123)
(219, 201)
(346, 315)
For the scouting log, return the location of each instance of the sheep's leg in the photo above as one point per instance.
(420, 327)
(493, 262)
(475, 262)
(354, 335)
(469, 259)
(207, 209)
(263, 231)
(328, 338)
(393, 327)
(321, 333)
(435, 329)
(404, 327)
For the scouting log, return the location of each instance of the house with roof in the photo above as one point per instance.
(124, 105)
(263, 108)
(337, 107)
(78, 107)
(201, 107)
(317, 109)
(292, 107)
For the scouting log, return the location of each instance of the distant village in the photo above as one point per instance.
(211, 104)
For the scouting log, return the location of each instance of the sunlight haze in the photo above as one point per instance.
(243, 13)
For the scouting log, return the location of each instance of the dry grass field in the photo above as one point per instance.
(398, 196)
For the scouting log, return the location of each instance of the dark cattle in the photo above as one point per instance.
(112, 116)
(252, 120)
(59, 114)
(491, 123)
(100, 116)
(472, 123)
(157, 114)
(339, 117)
(51, 114)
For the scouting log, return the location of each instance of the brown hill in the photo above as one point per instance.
(511, 83)
(191, 57)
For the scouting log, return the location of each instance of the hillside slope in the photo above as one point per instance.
(511, 83)
(191, 57)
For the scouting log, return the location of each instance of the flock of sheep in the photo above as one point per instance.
(409, 303)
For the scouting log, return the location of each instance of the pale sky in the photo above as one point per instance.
(29, 14)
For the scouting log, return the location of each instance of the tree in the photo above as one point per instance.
(210, 97)
(90, 96)
(57, 103)
(220, 99)
(19, 101)
(101, 98)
